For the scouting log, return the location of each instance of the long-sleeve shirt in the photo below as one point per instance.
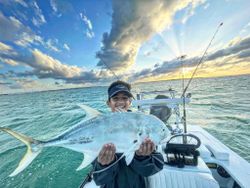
(132, 176)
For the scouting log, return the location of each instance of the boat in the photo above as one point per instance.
(193, 158)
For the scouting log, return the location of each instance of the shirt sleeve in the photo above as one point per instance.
(107, 175)
(147, 165)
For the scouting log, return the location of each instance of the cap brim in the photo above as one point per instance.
(123, 91)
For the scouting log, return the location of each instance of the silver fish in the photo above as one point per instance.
(126, 130)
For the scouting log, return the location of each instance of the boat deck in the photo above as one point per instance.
(213, 151)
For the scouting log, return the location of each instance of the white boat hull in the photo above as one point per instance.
(212, 153)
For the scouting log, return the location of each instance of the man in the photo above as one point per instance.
(146, 161)
(162, 112)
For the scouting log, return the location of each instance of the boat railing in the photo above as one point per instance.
(171, 102)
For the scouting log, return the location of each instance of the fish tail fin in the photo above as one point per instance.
(34, 147)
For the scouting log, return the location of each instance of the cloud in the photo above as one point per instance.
(244, 54)
(10, 28)
(53, 5)
(5, 83)
(89, 32)
(190, 10)
(245, 28)
(206, 6)
(39, 19)
(234, 48)
(44, 66)
(27, 38)
(10, 62)
(21, 2)
(14, 31)
(65, 46)
(4, 48)
(147, 53)
(133, 23)
(60, 7)
(86, 21)
(237, 53)
(51, 44)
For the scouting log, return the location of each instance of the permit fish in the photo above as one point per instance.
(126, 130)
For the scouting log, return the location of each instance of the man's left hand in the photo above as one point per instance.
(146, 148)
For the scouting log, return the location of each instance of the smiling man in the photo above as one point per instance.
(119, 96)
(146, 161)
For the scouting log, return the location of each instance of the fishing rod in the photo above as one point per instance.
(190, 80)
(111, 71)
(201, 59)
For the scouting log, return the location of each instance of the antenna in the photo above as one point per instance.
(185, 90)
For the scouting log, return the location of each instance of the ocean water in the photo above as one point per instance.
(219, 105)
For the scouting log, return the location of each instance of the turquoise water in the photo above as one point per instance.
(220, 105)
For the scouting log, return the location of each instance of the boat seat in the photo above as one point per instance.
(216, 149)
(188, 177)
(204, 152)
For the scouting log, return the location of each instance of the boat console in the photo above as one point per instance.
(180, 151)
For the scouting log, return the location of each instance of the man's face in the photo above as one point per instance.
(119, 102)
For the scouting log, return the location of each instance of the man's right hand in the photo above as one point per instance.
(107, 154)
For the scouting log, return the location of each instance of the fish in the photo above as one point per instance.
(126, 130)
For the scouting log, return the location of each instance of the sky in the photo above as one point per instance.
(57, 44)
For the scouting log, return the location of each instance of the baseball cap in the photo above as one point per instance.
(119, 88)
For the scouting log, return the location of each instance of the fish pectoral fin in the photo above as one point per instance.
(88, 158)
(129, 157)
(102, 170)
(130, 153)
(90, 112)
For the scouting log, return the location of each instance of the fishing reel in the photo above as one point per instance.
(181, 150)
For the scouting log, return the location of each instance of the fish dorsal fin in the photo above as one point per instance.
(88, 158)
(90, 112)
